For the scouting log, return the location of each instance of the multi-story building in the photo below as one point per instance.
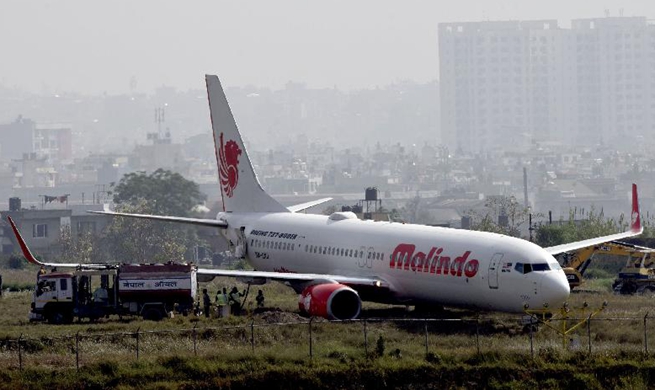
(508, 84)
(53, 141)
(16, 138)
(42, 229)
(616, 77)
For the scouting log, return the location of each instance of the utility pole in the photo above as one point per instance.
(525, 187)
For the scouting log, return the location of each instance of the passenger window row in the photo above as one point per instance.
(344, 252)
(268, 244)
(316, 249)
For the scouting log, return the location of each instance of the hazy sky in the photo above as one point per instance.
(98, 46)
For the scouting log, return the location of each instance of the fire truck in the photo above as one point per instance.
(151, 291)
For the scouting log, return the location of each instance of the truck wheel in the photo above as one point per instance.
(58, 317)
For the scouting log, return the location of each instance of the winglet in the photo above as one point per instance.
(23, 246)
(635, 220)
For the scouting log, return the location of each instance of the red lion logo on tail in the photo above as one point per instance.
(228, 170)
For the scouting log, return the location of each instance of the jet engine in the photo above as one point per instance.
(333, 301)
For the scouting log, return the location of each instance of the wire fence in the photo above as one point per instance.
(317, 338)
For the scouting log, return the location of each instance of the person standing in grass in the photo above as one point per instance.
(206, 302)
(234, 300)
(260, 299)
(221, 301)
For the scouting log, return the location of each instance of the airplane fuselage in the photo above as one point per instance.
(421, 264)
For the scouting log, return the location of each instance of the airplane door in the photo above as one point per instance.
(365, 257)
(241, 248)
(494, 266)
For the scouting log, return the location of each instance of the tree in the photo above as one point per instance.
(78, 249)
(593, 225)
(139, 240)
(415, 211)
(555, 234)
(168, 193)
(135, 240)
(16, 261)
(504, 215)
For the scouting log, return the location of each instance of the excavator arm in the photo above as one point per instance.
(575, 263)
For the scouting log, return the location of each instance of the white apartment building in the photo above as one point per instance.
(509, 84)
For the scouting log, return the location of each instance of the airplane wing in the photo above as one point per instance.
(305, 206)
(30, 257)
(193, 221)
(295, 277)
(635, 230)
(278, 276)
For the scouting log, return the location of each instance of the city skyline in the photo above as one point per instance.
(118, 47)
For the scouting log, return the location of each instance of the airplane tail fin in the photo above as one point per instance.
(240, 188)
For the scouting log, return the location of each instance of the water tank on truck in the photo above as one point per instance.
(153, 290)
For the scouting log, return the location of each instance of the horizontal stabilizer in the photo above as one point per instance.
(304, 206)
(193, 221)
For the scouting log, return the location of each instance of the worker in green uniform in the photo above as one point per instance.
(221, 302)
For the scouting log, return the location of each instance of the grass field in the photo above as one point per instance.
(273, 347)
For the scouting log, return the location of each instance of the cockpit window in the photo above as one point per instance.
(525, 268)
(555, 266)
(540, 267)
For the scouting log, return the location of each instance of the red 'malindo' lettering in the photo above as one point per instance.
(402, 252)
(444, 265)
(417, 262)
(426, 262)
(458, 264)
(403, 258)
(433, 267)
(471, 268)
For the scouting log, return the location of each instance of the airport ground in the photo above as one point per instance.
(272, 348)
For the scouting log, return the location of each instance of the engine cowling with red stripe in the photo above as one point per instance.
(333, 301)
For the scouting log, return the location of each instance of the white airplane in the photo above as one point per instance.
(334, 262)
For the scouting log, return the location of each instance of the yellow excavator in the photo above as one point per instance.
(637, 276)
